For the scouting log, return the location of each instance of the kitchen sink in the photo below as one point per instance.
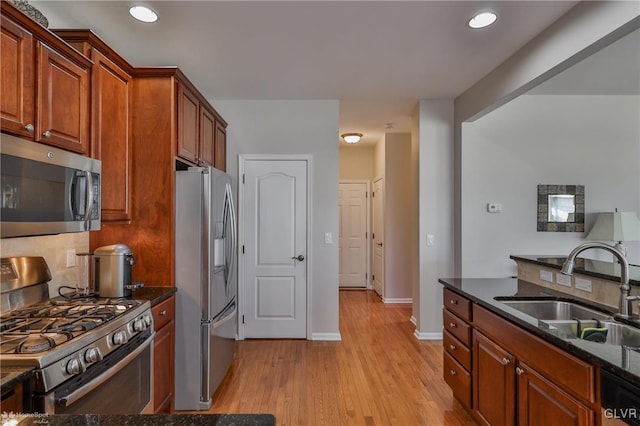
(617, 333)
(555, 309)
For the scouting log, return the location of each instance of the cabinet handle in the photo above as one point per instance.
(163, 312)
(506, 361)
(29, 128)
(452, 324)
(452, 347)
(47, 134)
(453, 302)
(453, 372)
(519, 371)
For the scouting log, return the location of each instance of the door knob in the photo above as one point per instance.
(299, 257)
(379, 244)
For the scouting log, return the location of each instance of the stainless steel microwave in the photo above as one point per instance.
(46, 190)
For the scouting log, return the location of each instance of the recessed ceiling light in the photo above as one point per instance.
(143, 13)
(482, 20)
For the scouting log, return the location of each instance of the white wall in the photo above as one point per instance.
(379, 159)
(398, 230)
(357, 162)
(585, 140)
(435, 121)
(298, 127)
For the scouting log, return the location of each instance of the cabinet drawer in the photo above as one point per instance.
(457, 350)
(457, 304)
(163, 313)
(458, 379)
(457, 327)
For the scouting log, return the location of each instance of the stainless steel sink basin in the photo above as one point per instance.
(555, 309)
(617, 333)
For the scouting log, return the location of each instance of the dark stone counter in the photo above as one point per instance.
(624, 362)
(144, 419)
(12, 376)
(594, 268)
(154, 295)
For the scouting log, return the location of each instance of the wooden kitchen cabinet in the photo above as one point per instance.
(197, 129)
(163, 355)
(45, 85)
(11, 400)
(457, 343)
(17, 85)
(221, 147)
(520, 378)
(111, 98)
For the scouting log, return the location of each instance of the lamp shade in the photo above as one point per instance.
(616, 226)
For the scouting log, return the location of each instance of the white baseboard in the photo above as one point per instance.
(427, 336)
(329, 337)
(398, 300)
(413, 320)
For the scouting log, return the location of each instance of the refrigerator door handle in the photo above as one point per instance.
(226, 318)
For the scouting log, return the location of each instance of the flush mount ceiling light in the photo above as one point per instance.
(482, 20)
(351, 137)
(143, 13)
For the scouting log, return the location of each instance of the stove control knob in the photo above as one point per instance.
(92, 355)
(119, 338)
(74, 366)
(147, 320)
(139, 325)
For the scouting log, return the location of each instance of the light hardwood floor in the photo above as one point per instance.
(379, 374)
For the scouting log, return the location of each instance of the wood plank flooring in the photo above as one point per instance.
(379, 374)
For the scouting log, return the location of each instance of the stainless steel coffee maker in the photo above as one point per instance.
(113, 266)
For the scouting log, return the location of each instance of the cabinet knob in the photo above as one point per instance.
(453, 302)
(452, 372)
(29, 128)
(47, 134)
(163, 312)
(519, 371)
(506, 361)
(452, 347)
(452, 324)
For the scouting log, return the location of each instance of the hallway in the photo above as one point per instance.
(378, 375)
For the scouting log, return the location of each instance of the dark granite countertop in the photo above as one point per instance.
(154, 295)
(144, 419)
(11, 376)
(620, 361)
(594, 268)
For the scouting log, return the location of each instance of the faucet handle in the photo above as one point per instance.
(632, 298)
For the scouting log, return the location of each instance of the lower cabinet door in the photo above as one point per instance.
(163, 367)
(494, 385)
(541, 403)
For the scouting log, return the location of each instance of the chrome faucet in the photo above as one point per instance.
(625, 309)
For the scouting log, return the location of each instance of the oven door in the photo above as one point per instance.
(121, 383)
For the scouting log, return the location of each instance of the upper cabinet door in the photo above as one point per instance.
(221, 147)
(188, 128)
(111, 92)
(207, 137)
(17, 80)
(63, 102)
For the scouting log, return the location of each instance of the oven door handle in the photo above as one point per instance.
(74, 396)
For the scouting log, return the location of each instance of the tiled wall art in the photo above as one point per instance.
(561, 208)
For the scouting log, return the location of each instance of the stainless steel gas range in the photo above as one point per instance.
(91, 355)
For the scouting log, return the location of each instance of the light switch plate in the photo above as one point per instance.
(328, 238)
(71, 258)
(563, 279)
(584, 285)
(546, 276)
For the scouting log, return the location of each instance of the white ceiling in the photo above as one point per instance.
(377, 57)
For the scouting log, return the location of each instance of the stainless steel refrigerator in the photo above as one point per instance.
(207, 283)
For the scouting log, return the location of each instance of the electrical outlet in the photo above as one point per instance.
(563, 279)
(494, 207)
(431, 239)
(546, 276)
(328, 238)
(71, 258)
(584, 285)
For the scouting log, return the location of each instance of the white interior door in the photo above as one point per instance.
(378, 237)
(275, 249)
(352, 201)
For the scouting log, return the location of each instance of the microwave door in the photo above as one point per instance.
(81, 197)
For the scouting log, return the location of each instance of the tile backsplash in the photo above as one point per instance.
(54, 250)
